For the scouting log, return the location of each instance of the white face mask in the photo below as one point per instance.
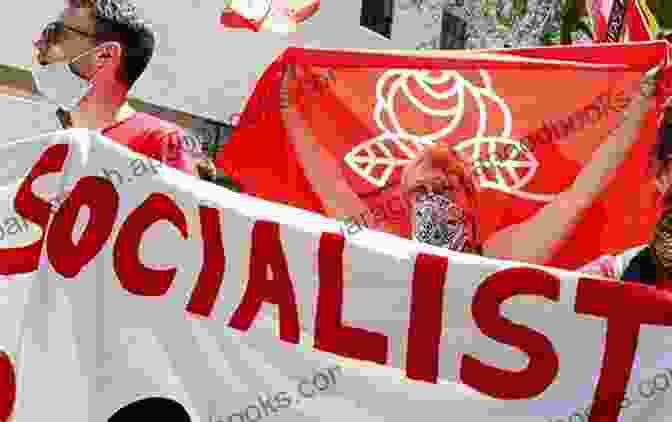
(60, 85)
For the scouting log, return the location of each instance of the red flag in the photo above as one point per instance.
(599, 13)
(641, 24)
(618, 21)
(532, 120)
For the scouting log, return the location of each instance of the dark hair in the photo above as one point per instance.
(119, 20)
(662, 150)
(152, 408)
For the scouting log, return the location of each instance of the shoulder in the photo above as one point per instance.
(157, 127)
(167, 136)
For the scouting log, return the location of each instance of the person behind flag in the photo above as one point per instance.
(85, 63)
(650, 263)
(440, 190)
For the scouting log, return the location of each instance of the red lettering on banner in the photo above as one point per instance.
(625, 306)
(424, 330)
(267, 251)
(543, 365)
(331, 335)
(25, 259)
(133, 275)
(210, 278)
(7, 387)
(102, 200)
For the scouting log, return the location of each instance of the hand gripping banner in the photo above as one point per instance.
(127, 284)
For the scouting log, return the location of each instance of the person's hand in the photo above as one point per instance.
(289, 76)
(292, 89)
(647, 85)
(206, 169)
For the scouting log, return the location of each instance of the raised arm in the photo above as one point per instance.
(536, 239)
(322, 170)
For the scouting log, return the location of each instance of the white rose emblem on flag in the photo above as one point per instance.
(451, 108)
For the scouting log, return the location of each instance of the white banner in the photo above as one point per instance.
(123, 280)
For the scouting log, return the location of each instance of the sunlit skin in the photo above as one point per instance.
(106, 102)
(534, 240)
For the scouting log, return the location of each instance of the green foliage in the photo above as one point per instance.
(213, 148)
(571, 23)
(520, 9)
(551, 38)
(227, 182)
(663, 11)
(569, 20)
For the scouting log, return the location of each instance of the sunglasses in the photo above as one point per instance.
(54, 32)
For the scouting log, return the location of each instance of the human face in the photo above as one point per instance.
(71, 35)
(442, 213)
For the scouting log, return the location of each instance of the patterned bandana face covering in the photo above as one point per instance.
(436, 223)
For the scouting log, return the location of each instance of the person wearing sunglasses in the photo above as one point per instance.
(86, 62)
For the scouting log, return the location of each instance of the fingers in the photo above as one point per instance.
(647, 85)
(292, 73)
(289, 74)
(653, 72)
(668, 102)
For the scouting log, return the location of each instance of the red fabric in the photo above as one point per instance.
(343, 117)
(599, 19)
(254, 168)
(637, 24)
(152, 137)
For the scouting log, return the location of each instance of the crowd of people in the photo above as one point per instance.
(89, 58)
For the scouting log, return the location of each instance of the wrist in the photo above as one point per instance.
(641, 105)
